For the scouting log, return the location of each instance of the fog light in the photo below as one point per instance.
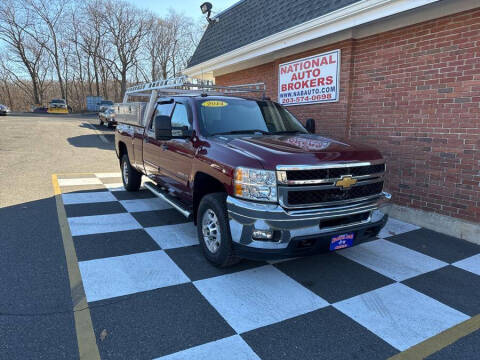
(262, 234)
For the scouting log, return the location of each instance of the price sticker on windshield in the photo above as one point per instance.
(214, 103)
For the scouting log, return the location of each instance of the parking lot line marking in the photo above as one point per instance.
(440, 341)
(87, 344)
(79, 174)
(79, 181)
(56, 187)
(103, 138)
(109, 175)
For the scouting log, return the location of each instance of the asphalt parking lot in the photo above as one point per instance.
(92, 268)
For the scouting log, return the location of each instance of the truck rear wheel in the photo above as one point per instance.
(214, 232)
(130, 176)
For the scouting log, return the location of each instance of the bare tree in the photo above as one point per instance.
(48, 30)
(5, 83)
(79, 55)
(68, 48)
(159, 47)
(14, 25)
(127, 27)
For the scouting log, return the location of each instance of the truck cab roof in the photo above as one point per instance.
(205, 97)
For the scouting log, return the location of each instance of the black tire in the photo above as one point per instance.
(224, 255)
(130, 176)
(100, 122)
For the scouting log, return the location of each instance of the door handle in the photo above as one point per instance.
(164, 146)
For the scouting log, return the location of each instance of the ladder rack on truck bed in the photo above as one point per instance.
(137, 113)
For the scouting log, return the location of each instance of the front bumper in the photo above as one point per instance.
(57, 110)
(299, 232)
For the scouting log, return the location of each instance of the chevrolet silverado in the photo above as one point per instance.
(256, 182)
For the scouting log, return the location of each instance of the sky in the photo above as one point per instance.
(188, 7)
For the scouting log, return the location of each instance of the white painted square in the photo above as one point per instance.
(150, 204)
(258, 297)
(174, 236)
(115, 187)
(88, 197)
(79, 181)
(97, 224)
(392, 260)
(395, 227)
(108, 175)
(230, 348)
(128, 274)
(400, 315)
(471, 264)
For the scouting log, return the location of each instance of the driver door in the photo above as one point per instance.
(176, 158)
(152, 148)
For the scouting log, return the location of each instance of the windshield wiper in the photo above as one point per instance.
(233, 132)
(288, 132)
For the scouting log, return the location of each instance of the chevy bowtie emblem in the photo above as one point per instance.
(346, 182)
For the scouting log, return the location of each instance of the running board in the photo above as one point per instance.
(169, 199)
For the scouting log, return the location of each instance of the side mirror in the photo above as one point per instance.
(163, 127)
(181, 132)
(310, 126)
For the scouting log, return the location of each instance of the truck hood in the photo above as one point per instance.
(298, 149)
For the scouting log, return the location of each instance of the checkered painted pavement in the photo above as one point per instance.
(149, 286)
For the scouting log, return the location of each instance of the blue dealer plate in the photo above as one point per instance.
(341, 241)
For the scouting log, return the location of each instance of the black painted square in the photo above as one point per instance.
(156, 323)
(132, 195)
(452, 286)
(90, 209)
(321, 334)
(439, 246)
(332, 276)
(159, 217)
(194, 264)
(119, 243)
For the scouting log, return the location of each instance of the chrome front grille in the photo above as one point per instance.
(300, 197)
(323, 185)
(314, 174)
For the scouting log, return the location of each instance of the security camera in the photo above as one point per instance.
(206, 8)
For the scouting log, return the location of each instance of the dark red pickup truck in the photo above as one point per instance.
(257, 183)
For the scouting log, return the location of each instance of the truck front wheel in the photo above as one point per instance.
(213, 230)
(130, 176)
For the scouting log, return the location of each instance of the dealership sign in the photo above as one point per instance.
(310, 80)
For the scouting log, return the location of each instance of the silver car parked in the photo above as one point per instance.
(4, 110)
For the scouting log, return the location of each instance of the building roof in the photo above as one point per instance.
(251, 20)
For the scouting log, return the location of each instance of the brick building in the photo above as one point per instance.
(408, 83)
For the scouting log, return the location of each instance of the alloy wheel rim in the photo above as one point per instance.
(211, 231)
(125, 172)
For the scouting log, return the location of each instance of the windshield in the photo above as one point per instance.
(58, 101)
(107, 102)
(236, 116)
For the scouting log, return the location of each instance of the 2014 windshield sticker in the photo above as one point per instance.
(214, 103)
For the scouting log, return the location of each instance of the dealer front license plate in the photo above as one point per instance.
(341, 241)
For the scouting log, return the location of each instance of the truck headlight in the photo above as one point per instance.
(255, 184)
